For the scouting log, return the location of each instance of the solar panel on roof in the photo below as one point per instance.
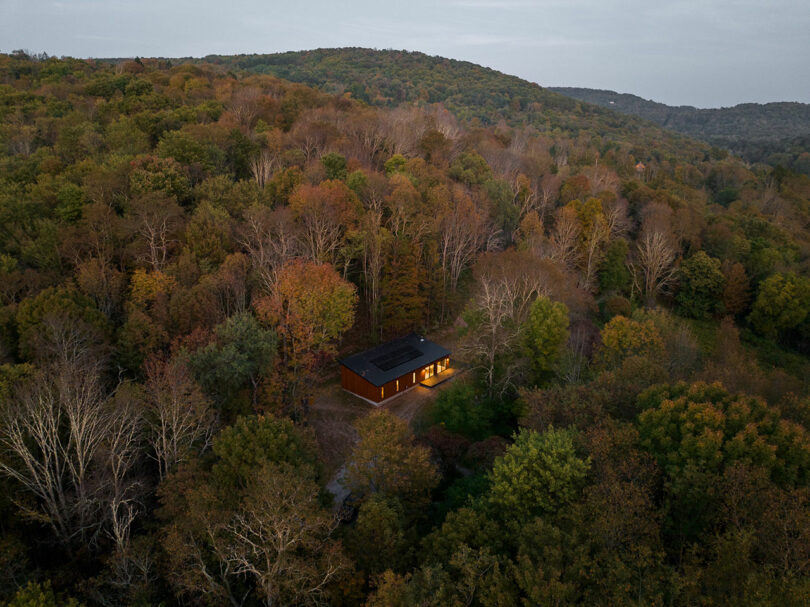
(392, 359)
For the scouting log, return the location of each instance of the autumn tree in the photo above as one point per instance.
(325, 212)
(403, 298)
(695, 432)
(737, 290)
(386, 460)
(624, 337)
(310, 307)
(248, 523)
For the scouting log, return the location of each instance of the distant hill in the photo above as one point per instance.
(387, 78)
(777, 133)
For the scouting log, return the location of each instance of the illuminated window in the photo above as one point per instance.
(397, 386)
(428, 371)
(382, 393)
(442, 365)
(414, 377)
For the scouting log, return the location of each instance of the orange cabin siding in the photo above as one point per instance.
(353, 382)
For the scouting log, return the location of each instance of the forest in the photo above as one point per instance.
(772, 133)
(188, 246)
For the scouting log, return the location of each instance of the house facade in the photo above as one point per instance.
(393, 367)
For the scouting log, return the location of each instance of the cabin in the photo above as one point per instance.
(390, 369)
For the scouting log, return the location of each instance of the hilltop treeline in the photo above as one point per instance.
(772, 133)
(185, 248)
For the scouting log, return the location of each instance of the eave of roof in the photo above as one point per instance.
(361, 363)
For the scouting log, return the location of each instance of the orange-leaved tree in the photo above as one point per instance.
(310, 307)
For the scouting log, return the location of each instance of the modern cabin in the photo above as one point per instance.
(393, 367)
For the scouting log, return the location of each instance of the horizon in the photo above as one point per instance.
(684, 53)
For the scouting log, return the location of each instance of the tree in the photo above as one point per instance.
(387, 461)
(508, 283)
(460, 410)
(782, 304)
(40, 319)
(270, 238)
(179, 416)
(247, 524)
(156, 221)
(153, 174)
(403, 300)
(377, 542)
(624, 337)
(654, 270)
(538, 474)
(35, 594)
(695, 432)
(242, 354)
(71, 447)
(737, 291)
(209, 235)
(335, 165)
(614, 275)
(462, 232)
(252, 441)
(279, 537)
(545, 333)
(701, 286)
(325, 212)
(310, 307)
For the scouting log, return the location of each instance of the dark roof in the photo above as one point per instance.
(394, 359)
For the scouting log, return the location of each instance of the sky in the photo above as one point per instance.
(706, 53)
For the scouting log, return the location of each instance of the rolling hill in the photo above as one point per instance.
(776, 133)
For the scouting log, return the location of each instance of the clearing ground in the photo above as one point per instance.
(334, 411)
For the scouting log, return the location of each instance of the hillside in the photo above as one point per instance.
(770, 132)
(388, 78)
(187, 248)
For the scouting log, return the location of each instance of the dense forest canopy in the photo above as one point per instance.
(187, 246)
(774, 133)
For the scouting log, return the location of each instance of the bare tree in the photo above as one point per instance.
(507, 283)
(548, 191)
(404, 128)
(156, 220)
(564, 238)
(270, 238)
(262, 166)
(180, 418)
(463, 232)
(121, 451)
(280, 538)
(70, 447)
(245, 105)
(654, 268)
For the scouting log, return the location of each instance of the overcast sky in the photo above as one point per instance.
(706, 53)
